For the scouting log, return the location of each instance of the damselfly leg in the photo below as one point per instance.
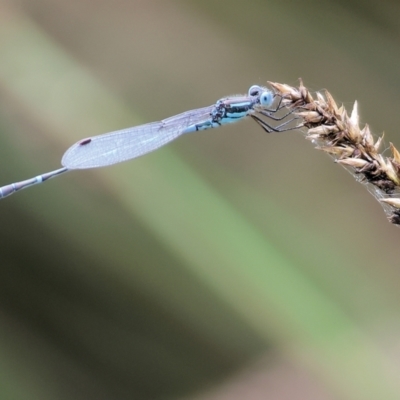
(280, 128)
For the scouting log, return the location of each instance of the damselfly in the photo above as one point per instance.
(114, 147)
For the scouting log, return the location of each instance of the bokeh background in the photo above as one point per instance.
(230, 264)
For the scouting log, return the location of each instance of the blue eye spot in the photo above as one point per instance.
(266, 98)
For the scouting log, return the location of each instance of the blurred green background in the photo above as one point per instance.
(230, 264)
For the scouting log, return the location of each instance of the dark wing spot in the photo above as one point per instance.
(85, 141)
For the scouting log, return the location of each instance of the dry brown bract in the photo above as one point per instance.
(338, 134)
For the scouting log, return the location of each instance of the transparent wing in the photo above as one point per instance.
(114, 147)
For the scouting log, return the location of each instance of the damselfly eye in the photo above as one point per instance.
(255, 90)
(266, 98)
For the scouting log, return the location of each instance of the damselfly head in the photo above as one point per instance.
(265, 96)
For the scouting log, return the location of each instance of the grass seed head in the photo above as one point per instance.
(333, 131)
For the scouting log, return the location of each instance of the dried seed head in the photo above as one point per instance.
(379, 142)
(342, 113)
(341, 125)
(312, 117)
(354, 162)
(381, 161)
(286, 90)
(396, 167)
(307, 97)
(333, 108)
(395, 152)
(367, 138)
(304, 93)
(391, 201)
(354, 115)
(353, 132)
(337, 150)
(335, 132)
(392, 173)
(320, 98)
(324, 130)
